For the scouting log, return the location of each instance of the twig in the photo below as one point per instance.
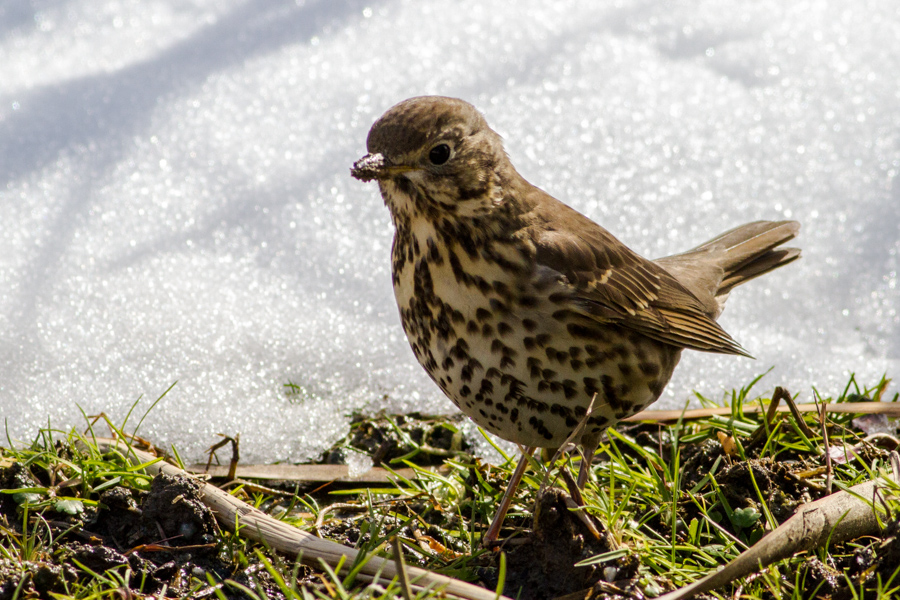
(801, 423)
(891, 409)
(575, 435)
(829, 469)
(576, 504)
(235, 453)
(765, 426)
(308, 473)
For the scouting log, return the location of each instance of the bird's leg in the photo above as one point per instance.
(493, 532)
(589, 445)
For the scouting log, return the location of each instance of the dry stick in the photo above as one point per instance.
(576, 504)
(845, 515)
(829, 468)
(305, 473)
(795, 410)
(260, 527)
(891, 409)
(570, 440)
(235, 453)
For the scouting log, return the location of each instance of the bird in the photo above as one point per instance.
(535, 321)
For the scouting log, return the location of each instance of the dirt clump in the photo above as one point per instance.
(546, 567)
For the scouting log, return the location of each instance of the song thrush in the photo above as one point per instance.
(523, 310)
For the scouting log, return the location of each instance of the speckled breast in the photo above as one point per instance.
(499, 340)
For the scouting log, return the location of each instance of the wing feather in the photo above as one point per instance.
(611, 283)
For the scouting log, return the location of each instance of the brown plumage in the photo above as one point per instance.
(522, 309)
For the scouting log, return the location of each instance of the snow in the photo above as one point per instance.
(176, 204)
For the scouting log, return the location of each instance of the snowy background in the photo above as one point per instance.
(175, 203)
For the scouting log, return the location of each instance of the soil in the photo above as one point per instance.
(165, 538)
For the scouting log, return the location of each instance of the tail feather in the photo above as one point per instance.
(760, 266)
(714, 268)
(749, 243)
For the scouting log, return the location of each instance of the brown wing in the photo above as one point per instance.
(612, 284)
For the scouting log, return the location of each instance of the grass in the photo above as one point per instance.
(674, 502)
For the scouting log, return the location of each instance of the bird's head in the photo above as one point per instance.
(436, 157)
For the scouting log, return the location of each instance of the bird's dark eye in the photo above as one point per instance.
(439, 154)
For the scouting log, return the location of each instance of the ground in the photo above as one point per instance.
(669, 503)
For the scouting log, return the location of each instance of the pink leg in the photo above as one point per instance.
(493, 532)
(589, 444)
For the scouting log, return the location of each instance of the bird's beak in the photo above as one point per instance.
(376, 166)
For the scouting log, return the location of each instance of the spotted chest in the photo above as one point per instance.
(501, 343)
